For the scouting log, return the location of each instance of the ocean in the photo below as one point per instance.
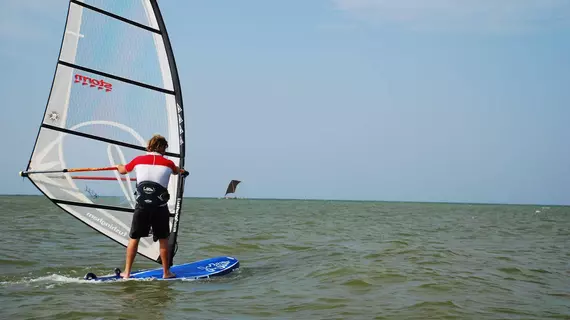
(300, 259)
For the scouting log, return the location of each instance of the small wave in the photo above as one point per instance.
(401, 251)
(296, 247)
(434, 262)
(373, 255)
(358, 283)
(402, 242)
(534, 281)
(389, 277)
(511, 270)
(435, 286)
(336, 254)
(511, 311)
(559, 294)
(435, 304)
(312, 306)
(334, 300)
(504, 258)
(540, 270)
(261, 237)
(408, 234)
(505, 232)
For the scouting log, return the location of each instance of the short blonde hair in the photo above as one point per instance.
(157, 143)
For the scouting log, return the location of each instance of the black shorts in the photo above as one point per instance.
(145, 217)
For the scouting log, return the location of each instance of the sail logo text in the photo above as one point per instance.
(99, 84)
(106, 224)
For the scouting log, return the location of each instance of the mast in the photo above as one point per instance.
(172, 245)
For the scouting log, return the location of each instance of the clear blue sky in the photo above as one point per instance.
(438, 100)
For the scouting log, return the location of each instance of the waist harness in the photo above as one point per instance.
(151, 194)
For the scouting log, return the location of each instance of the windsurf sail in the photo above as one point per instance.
(232, 187)
(115, 85)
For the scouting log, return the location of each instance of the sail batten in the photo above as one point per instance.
(112, 15)
(93, 137)
(92, 205)
(115, 85)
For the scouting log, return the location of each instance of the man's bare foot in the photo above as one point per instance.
(168, 275)
(125, 275)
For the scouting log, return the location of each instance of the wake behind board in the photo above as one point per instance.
(207, 268)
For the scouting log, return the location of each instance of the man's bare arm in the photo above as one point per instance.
(121, 169)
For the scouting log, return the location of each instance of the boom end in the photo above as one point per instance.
(23, 174)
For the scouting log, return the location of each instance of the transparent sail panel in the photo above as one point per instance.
(116, 225)
(57, 150)
(134, 10)
(103, 188)
(111, 109)
(112, 46)
(60, 151)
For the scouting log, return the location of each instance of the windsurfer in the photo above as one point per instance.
(153, 172)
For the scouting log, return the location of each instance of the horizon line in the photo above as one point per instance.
(348, 200)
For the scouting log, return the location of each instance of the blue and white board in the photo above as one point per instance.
(212, 267)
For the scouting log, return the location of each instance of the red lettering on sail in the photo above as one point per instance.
(93, 83)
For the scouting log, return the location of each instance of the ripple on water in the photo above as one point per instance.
(357, 283)
(511, 270)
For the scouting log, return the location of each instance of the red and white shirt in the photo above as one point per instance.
(152, 167)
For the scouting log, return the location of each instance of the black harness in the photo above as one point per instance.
(151, 194)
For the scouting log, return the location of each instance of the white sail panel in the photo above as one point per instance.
(113, 89)
(113, 224)
(115, 47)
(132, 113)
(129, 9)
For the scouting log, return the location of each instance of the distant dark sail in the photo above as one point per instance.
(232, 187)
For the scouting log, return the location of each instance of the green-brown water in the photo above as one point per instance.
(300, 260)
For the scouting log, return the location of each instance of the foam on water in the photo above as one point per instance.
(62, 279)
(57, 278)
(54, 279)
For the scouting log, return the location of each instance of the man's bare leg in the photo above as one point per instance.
(164, 258)
(132, 248)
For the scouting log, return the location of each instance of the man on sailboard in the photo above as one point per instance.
(153, 172)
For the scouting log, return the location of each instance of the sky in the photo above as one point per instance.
(408, 100)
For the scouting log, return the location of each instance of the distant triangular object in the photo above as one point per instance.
(232, 187)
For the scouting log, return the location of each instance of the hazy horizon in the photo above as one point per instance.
(339, 200)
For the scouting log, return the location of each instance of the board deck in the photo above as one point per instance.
(212, 267)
